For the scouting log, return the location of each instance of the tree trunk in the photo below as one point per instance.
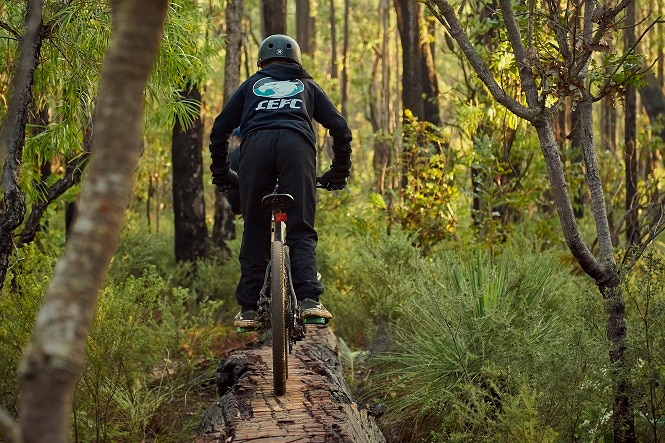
(317, 406)
(412, 75)
(190, 228)
(55, 358)
(223, 227)
(622, 410)
(273, 14)
(630, 141)
(344, 79)
(12, 134)
(380, 105)
(419, 83)
(333, 41)
(654, 100)
(305, 27)
(429, 82)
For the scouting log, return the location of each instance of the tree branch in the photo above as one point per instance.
(445, 14)
(15, 34)
(522, 57)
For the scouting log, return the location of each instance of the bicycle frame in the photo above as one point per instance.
(278, 308)
(278, 204)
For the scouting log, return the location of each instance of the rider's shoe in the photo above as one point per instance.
(310, 308)
(246, 319)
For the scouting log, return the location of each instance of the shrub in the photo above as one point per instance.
(145, 355)
(505, 351)
(144, 352)
(367, 278)
(645, 307)
(21, 296)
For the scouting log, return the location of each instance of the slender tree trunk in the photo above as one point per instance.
(191, 230)
(608, 142)
(273, 14)
(223, 227)
(380, 107)
(430, 83)
(630, 140)
(345, 62)
(575, 159)
(412, 75)
(609, 285)
(12, 134)
(653, 99)
(334, 70)
(75, 168)
(55, 358)
(305, 27)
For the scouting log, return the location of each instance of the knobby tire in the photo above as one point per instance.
(278, 317)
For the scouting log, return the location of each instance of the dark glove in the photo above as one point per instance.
(225, 181)
(334, 178)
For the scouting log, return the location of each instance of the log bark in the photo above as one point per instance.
(317, 406)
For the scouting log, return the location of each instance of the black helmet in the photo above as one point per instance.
(279, 46)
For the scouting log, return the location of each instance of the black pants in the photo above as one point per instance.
(266, 156)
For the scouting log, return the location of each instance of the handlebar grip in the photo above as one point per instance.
(227, 188)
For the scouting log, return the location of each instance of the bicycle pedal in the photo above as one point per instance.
(241, 329)
(315, 321)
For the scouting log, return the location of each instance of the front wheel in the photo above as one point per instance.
(278, 317)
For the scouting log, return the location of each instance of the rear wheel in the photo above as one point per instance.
(278, 317)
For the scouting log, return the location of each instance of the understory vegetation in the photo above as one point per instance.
(460, 345)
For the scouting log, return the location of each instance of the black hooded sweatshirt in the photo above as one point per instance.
(279, 96)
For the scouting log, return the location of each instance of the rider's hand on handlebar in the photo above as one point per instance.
(226, 182)
(334, 179)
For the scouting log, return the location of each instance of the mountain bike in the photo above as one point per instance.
(278, 308)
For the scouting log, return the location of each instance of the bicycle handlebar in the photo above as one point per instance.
(233, 188)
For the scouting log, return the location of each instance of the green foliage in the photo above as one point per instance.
(186, 56)
(505, 351)
(139, 250)
(140, 361)
(645, 294)
(509, 181)
(66, 79)
(20, 299)
(428, 204)
(150, 337)
(365, 277)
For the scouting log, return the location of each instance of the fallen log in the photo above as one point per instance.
(317, 406)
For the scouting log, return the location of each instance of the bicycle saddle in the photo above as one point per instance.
(278, 202)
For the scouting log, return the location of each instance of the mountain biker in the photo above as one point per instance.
(274, 109)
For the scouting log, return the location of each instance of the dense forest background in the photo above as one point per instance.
(495, 266)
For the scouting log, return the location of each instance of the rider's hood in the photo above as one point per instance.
(284, 71)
